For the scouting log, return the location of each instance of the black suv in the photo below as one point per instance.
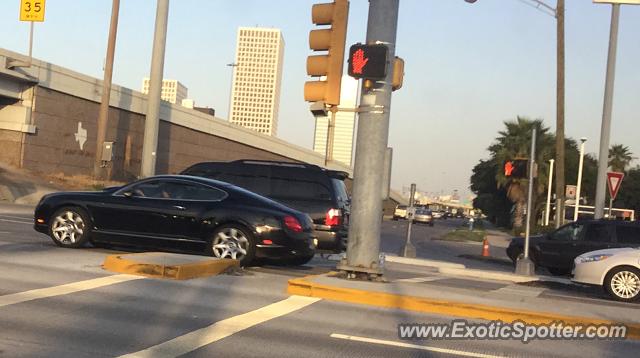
(319, 192)
(557, 250)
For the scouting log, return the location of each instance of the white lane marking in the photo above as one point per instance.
(420, 279)
(413, 346)
(17, 217)
(19, 222)
(222, 329)
(5, 232)
(20, 297)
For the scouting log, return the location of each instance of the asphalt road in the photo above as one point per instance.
(100, 314)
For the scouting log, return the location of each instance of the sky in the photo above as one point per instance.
(468, 68)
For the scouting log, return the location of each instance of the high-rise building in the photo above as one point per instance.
(344, 125)
(172, 90)
(255, 91)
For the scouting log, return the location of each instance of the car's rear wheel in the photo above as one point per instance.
(70, 227)
(623, 283)
(233, 241)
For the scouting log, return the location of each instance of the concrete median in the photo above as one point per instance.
(168, 265)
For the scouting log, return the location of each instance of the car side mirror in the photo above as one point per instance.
(128, 194)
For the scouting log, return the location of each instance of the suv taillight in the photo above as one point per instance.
(333, 217)
(292, 224)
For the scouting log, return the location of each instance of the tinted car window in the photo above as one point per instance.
(340, 189)
(149, 189)
(568, 233)
(597, 232)
(187, 191)
(298, 189)
(628, 234)
(256, 184)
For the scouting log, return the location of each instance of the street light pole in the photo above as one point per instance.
(579, 184)
(152, 121)
(103, 114)
(603, 157)
(548, 208)
(560, 146)
(524, 265)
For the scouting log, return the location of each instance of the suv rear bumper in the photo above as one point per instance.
(332, 240)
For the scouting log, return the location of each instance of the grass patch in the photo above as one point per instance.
(464, 234)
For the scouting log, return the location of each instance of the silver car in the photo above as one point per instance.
(423, 216)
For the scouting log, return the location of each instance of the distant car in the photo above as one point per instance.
(437, 214)
(459, 215)
(318, 192)
(400, 212)
(557, 250)
(423, 216)
(181, 213)
(617, 270)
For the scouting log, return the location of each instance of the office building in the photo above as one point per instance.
(172, 90)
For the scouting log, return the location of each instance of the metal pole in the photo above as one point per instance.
(603, 157)
(560, 181)
(525, 266)
(373, 132)
(152, 121)
(30, 43)
(579, 184)
(328, 150)
(233, 66)
(610, 207)
(409, 250)
(103, 113)
(548, 208)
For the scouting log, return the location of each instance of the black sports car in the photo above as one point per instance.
(179, 212)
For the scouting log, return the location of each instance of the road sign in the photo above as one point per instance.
(614, 179)
(368, 61)
(570, 191)
(32, 10)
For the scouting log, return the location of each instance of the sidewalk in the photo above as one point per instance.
(427, 289)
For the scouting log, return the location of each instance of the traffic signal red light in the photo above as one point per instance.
(516, 168)
(330, 39)
(368, 61)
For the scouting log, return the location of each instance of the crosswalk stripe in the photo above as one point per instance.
(222, 329)
(39, 293)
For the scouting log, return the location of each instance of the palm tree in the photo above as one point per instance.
(515, 142)
(620, 157)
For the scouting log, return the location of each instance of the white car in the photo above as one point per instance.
(618, 270)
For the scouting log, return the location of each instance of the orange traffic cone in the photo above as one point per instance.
(485, 248)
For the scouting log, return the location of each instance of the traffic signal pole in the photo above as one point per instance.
(373, 131)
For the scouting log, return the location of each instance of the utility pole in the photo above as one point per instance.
(152, 121)
(560, 181)
(373, 132)
(99, 169)
(409, 250)
(548, 208)
(331, 124)
(605, 131)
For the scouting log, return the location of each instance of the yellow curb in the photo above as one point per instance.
(118, 263)
(303, 287)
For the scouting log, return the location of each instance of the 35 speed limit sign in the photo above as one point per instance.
(32, 10)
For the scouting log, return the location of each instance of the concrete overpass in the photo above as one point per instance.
(48, 124)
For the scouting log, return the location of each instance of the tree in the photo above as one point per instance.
(619, 157)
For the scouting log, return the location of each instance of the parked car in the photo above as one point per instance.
(556, 251)
(400, 212)
(437, 214)
(423, 216)
(319, 192)
(617, 270)
(179, 213)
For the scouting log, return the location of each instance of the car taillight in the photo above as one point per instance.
(292, 224)
(333, 217)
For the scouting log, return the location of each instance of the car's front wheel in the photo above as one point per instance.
(233, 241)
(70, 227)
(623, 283)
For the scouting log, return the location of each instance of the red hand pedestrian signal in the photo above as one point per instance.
(358, 61)
(508, 168)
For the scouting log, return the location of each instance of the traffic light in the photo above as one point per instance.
(516, 168)
(368, 61)
(332, 40)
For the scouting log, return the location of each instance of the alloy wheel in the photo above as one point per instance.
(625, 284)
(230, 243)
(68, 227)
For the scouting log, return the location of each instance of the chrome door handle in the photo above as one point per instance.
(179, 207)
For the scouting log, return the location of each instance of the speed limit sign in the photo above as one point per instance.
(32, 10)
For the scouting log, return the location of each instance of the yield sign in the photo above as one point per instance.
(614, 179)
